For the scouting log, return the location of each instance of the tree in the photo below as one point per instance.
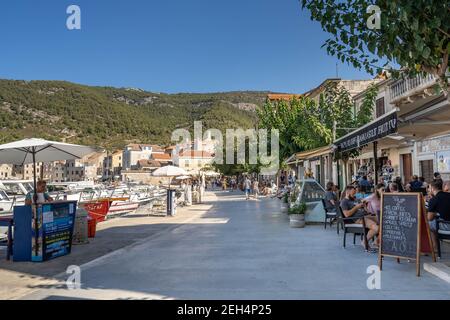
(298, 122)
(304, 124)
(413, 34)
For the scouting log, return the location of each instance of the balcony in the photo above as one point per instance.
(406, 90)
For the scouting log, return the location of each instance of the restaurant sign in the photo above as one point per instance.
(370, 133)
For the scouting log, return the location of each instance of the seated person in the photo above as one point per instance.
(351, 208)
(330, 198)
(373, 202)
(360, 193)
(393, 187)
(446, 186)
(438, 207)
(41, 192)
(364, 183)
(415, 185)
(281, 192)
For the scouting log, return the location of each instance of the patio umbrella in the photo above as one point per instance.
(39, 150)
(183, 177)
(170, 171)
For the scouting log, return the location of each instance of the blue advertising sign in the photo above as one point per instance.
(55, 230)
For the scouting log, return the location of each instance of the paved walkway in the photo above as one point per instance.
(113, 236)
(244, 250)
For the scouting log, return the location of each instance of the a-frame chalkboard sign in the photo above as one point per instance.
(404, 231)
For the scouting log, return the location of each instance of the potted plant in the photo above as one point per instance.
(285, 203)
(297, 215)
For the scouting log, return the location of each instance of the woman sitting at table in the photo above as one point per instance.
(41, 192)
(373, 202)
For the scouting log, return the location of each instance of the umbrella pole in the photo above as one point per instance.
(36, 228)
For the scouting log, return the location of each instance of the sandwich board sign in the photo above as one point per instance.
(404, 231)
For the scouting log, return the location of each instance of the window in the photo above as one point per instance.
(380, 107)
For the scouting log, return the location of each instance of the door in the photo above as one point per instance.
(407, 167)
(427, 170)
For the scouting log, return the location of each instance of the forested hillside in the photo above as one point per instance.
(112, 117)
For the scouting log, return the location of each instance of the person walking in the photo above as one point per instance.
(256, 188)
(247, 186)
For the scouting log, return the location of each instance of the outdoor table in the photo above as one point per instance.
(8, 221)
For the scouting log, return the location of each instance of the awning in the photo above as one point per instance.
(310, 154)
(371, 132)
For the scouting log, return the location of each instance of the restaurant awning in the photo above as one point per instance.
(371, 132)
(310, 154)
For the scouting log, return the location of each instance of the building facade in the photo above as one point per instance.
(6, 172)
(193, 161)
(112, 165)
(421, 143)
(135, 152)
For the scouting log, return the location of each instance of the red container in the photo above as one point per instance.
(92, 227)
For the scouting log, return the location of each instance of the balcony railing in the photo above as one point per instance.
(404, 87)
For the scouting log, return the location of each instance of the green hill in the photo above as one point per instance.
(112, 117)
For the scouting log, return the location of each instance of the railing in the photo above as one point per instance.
(403, 87)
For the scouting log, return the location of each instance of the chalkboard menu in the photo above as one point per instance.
(399, 220)
(55, 231)
(404, 229)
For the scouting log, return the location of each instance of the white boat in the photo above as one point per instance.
(7, 204)
(17, 189)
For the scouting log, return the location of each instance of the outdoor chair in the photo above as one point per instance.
(441, 234)
(329, 215)
(350, 226)
(339, 221)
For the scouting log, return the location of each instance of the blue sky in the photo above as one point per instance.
(168, 45)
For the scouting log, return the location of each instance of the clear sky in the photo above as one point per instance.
(168, 45)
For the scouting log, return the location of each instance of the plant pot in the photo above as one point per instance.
(297, 220)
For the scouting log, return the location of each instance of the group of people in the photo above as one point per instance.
(356, 203)
(251, 186)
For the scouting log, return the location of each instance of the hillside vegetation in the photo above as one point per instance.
(112, 117)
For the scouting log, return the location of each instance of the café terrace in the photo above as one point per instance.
(410, 135)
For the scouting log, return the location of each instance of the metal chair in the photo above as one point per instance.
(442, 234)
(329, 215)
(350, 226)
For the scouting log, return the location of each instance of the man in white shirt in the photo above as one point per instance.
(247, 187)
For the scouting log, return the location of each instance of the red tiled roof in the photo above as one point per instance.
(149, 163)
(163, 156)
(140, 146)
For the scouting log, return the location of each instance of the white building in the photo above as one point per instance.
(192, 160)
(135, 152)
(89, 168)
(25, 172)
(6, 171)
